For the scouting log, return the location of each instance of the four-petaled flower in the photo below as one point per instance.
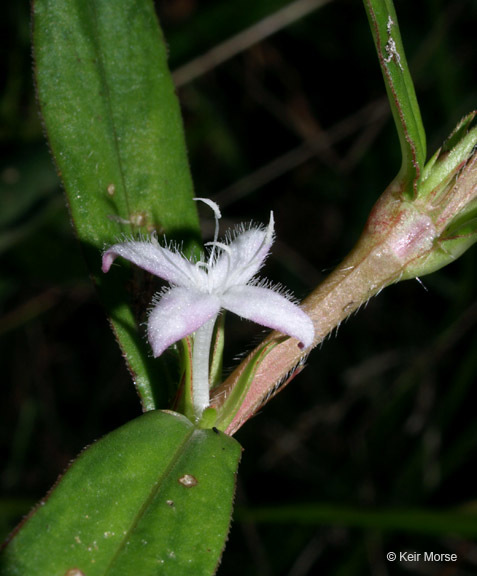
(200, 289)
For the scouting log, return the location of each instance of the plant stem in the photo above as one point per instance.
(392, 237)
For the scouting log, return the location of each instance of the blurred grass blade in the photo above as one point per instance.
(444, 522)
(400, 88)
(153, 497)
(115, 130)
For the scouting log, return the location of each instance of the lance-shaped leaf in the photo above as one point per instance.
(400, 88)
(115, 130)
(153, 497)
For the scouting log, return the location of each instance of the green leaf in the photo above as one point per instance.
(115, 130)
(153, 497)
(400, 88)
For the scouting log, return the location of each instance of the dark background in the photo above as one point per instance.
(384, 414)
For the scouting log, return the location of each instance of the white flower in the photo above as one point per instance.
(199, 290)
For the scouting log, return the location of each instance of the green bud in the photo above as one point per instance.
(430, 231)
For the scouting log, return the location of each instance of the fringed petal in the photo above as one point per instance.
(148, 255)
(243, 257)
(270, 309)
(178, 313)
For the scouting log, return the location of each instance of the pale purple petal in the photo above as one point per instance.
(271, 309)
(178, 313)
(243, 257)
(149, 256)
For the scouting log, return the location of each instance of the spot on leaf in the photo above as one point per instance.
(188, 480)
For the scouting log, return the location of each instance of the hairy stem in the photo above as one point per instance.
(396, 234)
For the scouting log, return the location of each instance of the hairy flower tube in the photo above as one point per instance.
(225, 278)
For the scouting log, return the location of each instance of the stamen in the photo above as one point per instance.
(215, 208)
(220, 245)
